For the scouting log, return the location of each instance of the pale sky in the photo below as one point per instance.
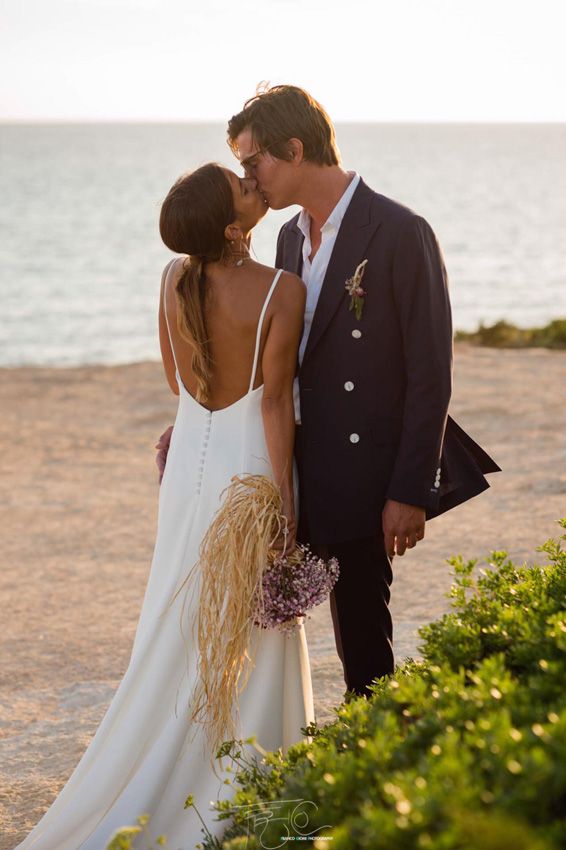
(364, 60)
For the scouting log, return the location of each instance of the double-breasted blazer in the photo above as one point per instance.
(374, 392)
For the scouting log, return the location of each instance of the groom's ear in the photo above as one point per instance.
(296, 151)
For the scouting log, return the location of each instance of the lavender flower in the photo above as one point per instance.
(292, 586)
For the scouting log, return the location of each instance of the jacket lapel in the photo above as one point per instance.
(293, 259)
(352, 239)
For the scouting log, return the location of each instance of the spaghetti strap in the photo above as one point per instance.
(260, 326)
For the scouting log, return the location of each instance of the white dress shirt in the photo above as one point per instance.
(313, 274)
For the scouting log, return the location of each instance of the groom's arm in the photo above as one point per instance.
(420, 289)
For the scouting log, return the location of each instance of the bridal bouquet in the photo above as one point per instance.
(244, 583)
(293, 585)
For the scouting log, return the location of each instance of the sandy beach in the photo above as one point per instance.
(78, 504)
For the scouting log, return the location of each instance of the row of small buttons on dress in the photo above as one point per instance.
(349, 386)
(203, 450)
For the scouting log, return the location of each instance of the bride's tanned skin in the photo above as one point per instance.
(234, 299)
(318, 188)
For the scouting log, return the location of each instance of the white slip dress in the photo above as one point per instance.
(146, 757)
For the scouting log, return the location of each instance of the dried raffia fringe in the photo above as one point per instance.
(234, 554)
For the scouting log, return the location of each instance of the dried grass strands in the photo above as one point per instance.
(233, 556)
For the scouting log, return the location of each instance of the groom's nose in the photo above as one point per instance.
(251, 183)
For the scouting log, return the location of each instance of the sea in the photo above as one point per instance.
(81, 257)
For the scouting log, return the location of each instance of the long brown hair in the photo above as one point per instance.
(193, 217)
(280, 113)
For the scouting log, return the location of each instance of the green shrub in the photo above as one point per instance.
(466, 749)
(502, 334)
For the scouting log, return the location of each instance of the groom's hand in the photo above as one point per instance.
(403, 525)
(162, 447)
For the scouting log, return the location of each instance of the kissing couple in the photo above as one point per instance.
(329, 375)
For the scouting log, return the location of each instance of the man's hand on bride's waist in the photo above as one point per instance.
(162, 447)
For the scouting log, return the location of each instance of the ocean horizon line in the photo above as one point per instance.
(361, 122)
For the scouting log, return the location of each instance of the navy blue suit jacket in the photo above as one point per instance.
(390, 436)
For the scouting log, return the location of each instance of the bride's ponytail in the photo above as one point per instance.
(194, 216)
(191, 323)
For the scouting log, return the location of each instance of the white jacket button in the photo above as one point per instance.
(356, 333)
(349, 386)
(354, 438)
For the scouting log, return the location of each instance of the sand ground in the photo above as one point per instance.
(78, 501)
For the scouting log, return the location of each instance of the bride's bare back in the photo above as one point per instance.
(234, 300)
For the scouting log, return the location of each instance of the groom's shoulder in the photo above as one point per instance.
(386, 208)
(398, 220)
(383, 207)
(289, 225)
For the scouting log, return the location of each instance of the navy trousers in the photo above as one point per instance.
(359, 603)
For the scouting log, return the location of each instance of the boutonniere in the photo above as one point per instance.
(355, 291)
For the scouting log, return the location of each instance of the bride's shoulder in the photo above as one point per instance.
(293, 281)
(176, 265)
(173, 269)
(289, 283)
(290, 298)
(290, 291)
(289, 286)
(294, 288)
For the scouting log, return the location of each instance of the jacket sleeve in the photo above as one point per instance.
(420, 291)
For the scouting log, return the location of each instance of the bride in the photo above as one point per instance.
(229, 331)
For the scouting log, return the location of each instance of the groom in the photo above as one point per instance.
(377, 453)
(376, 450)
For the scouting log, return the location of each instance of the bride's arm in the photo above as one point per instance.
(164, 341)
(162, 444)
(279, 362)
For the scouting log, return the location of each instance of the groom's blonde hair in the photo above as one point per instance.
(279, 113)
